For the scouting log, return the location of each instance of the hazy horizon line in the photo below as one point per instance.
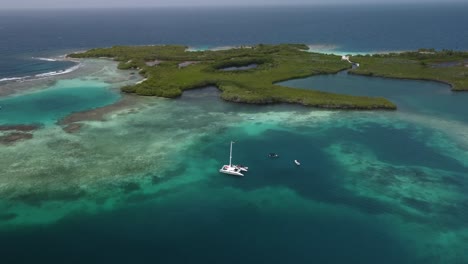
(397, 3)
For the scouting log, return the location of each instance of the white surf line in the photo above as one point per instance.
(141, 81)
(44, 59)
(13, 79)
(58, 72)
(346, 58)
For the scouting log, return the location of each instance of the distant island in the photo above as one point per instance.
(249, 74)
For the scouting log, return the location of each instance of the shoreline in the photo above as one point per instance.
(406, 78)
(258, 101)
(65, 57)
(89, 69)
(253, 86)
(418, 65)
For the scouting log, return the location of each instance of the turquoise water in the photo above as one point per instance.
(143, 186)
(48, 106)
(422, 97)
(373, 186)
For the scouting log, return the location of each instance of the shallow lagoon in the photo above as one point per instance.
(58, 101)
(240, 68)
(385, 187)
(423, 97)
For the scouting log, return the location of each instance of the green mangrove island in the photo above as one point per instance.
(446, 66)
(249, 74)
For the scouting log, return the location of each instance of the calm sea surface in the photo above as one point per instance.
(144, 186)
(27, 34)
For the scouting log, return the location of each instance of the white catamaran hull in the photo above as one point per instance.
(241, 168)
(231, 170)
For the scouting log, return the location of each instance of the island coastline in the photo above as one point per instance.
(253, 86)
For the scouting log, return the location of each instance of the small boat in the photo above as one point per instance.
(297, 162)
(232, 169)
(273, 155)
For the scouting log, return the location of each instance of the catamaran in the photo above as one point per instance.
(233, 169)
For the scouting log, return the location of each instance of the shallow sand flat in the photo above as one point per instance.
(44, 101)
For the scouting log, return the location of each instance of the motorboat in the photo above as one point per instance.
(297, 162)
(232, 169)
(273, 155)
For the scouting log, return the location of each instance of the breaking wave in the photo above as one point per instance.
(13, 79)
(41, 75)
(44, 59)
(59, 72)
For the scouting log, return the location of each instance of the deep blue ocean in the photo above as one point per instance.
(360, 28)
(374, 187)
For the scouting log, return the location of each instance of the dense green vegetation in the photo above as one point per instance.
(426, 64)
(275, 63)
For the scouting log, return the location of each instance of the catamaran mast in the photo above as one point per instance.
(230, 155)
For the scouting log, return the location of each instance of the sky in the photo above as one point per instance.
(5, 4)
